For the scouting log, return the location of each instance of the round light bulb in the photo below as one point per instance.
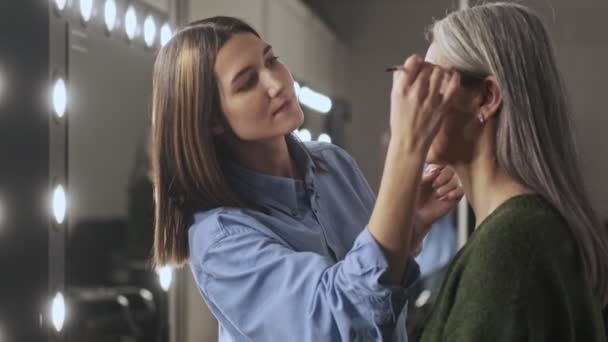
(122, 300)
(130, 22)
(165, 34)
(146, 294)
(304, 135)
(297, 88)
(60, 97)
(149, 31)
(110, 14)
(165, 276)
(58, 311)
(59, 204)
(315, 100)
(324, 137)
(86, 9)
(60, 4)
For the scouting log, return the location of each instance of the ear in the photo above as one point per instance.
(491, 99)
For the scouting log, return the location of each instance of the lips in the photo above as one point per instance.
(284, 105)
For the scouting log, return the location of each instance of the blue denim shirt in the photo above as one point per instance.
(306, 270)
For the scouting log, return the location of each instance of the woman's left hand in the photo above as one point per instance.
(440, 192)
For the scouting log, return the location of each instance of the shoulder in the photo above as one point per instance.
(531, 227)
(212, 226)
(336, 158)
(326, 150)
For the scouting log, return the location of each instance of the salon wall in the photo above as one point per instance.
(579, 31)
(313, 54)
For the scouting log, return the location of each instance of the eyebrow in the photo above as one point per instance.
(249, 67)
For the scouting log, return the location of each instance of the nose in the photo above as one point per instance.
(274, 84)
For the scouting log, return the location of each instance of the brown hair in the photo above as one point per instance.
(186, 157)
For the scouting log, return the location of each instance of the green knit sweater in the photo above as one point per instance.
(519, 278)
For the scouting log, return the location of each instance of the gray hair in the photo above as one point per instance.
(534, 142)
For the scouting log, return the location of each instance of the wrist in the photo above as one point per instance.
(402, 146)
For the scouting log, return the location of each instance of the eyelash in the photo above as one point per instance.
(251, 81)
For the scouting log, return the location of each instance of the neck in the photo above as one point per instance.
(485, 184)
(269, 157)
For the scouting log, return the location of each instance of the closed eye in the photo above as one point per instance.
(253, 78)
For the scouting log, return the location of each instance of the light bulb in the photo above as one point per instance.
(165, 276)
(61, 4)
(60, 97)
(315, 100)
(130, 22)
(58, 311)
(110, 14)
(297, 88)
(149, 31)
(59, 204)
(304, 135)
(165, 34)
(324, 137)
(86, 9)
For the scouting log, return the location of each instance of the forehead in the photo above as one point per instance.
(238, 52)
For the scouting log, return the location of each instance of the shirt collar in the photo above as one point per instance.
(279, 192)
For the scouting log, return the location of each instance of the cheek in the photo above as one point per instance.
(438, 148)
(242, 110)
(450, 140)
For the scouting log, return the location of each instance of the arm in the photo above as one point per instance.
(417, 110)
(261, 289)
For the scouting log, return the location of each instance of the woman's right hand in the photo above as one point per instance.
(418, 98)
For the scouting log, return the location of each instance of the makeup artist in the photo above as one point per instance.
(285, 240)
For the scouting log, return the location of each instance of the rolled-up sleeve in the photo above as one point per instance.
(261, 289)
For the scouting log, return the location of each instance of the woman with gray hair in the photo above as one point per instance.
(536, 267)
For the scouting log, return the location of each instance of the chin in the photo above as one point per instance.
(296, 119)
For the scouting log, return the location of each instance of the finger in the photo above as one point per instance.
(412, 67)
(433, 167)
(452, 85)
(444, 82)
(447, 188)
(430, 176)
(436, 79)
(421, 84)
(445, 176)
(454, 195)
